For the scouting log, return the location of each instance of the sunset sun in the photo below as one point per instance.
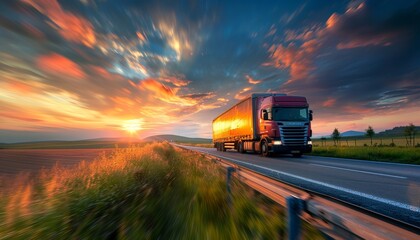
(132, 126)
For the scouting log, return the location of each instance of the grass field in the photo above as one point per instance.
(408, 155)
(145, 192)
(363, 141)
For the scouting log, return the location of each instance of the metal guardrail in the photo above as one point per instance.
(335, 219)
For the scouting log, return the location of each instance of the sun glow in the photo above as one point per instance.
(132, 126)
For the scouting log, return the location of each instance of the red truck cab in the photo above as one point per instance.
(285, 125)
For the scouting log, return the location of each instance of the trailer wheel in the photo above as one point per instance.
(264, 149)
(241, 147)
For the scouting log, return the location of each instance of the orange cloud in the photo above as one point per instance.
(60, 65)
(296, 59)
(332, 20)
(141, 37)
(251, 80)
(179, 105)
(70, 26)
(20, 87)
(157, 87)
(176, 81)
(243, 93)
(380, 40)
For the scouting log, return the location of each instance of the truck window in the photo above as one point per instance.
(290, 114)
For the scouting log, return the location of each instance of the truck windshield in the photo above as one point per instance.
(290, 114)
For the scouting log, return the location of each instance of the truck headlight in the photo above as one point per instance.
(309, 142)
(277, 142)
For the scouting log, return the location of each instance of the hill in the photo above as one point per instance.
(176, 138)
(352, 134)
(396, 131)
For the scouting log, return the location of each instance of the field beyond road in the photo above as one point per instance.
(410, 155)
(141, 192)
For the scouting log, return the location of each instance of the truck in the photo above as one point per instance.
(266, 123)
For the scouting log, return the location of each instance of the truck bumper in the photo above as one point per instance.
(291, 149)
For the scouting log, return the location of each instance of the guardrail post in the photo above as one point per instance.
(294, 208)
(230, 170)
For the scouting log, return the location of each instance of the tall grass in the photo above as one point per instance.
(388, 154)
(149, 192)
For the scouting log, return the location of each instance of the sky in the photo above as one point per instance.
(81, 69)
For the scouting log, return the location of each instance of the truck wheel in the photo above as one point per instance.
(264, 149)
(241, 147)
(223, 149)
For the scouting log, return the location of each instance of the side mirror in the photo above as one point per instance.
(264, 114)
(311, 117)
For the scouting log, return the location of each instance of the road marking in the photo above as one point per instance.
(346, 190)
(370, 161)
(360, 171)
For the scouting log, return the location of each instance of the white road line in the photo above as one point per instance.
(360, 194)
(370, 161)
(360, 171)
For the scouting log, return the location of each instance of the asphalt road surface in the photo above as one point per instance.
(389, 189)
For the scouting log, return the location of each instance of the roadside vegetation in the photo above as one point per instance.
(141, 192)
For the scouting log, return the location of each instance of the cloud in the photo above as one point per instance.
(251, 80)
(191, 102)
(295, 58)
(175, 81)
(176, 38)
(25, 29)
(243, 93)
(57, 64)
(350, 65)
(329, 102)
(98, 65)
(70, 26)
(352, 30)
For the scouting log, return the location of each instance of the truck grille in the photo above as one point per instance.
(294, 136)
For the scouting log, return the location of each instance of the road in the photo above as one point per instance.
(386, 188)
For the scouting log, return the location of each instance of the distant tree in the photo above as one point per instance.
(410, 134)
(369, 133)
(335, 136)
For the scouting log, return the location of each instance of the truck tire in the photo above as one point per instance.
(223, 149)
(264, 148)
